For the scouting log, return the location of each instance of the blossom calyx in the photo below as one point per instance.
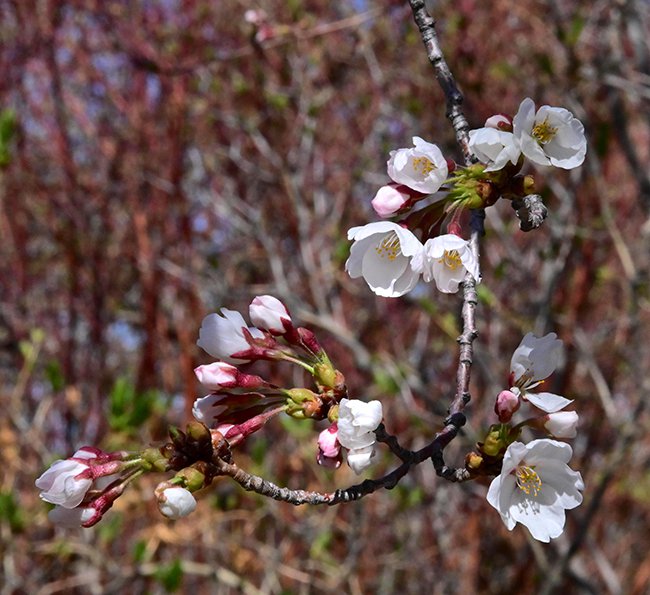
(305, 401)
(192, 478)
(326, 375)
(155, 460)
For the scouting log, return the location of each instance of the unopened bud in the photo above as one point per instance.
(198, 432)
(473, 460)
(506, 404)
(155, 460)
(326, 375)
(192, 478)
(176, 502)
(493, 444)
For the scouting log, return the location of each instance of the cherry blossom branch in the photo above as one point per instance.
(433, 450)
(454, 98)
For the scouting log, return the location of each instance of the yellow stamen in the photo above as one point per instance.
(423, 165)
(528, 481)
(389, 247)
(451, 259)
(544, 132)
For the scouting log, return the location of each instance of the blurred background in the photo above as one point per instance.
(162, 159)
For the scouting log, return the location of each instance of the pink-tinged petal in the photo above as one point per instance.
(269, 313)
(328, 442)
(217, 375)
(388, 201)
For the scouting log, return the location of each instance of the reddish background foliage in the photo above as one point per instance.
(167, 162)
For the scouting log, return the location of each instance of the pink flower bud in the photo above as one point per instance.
(329, 449)
(217, 375)
(388, 200)
(501, 122)
(562, 424)
(269, 313)
(328, 441)
(506, 404)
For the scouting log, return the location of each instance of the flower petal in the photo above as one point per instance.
(548, 402)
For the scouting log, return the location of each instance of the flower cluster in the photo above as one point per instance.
(535, 485)
(241, 403)
(547, 136)
(84, 486)
(392, 256)
(388, 255)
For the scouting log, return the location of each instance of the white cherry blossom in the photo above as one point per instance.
(357, 423)
(446, 259)
(550, 135)
(66, 482)
(494, 147)
(422, 167)
(222, 335)
(532, 362)
(382, 253)
(536, 486)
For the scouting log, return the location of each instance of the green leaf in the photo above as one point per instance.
(54, 374)
(10, 513)
(170, 576)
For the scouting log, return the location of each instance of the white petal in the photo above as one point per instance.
(537, 355)
(544, 522)
(70, 518)
(360, 458)
(545, 449)
(176, 503)
(564, 481)
(548, 402)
